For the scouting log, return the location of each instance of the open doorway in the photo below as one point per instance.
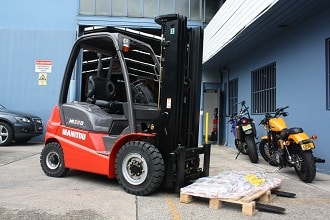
(213, 104)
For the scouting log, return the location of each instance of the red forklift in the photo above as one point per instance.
(137, 117)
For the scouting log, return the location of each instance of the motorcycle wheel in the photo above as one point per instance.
(305, 164)
(268, 153)
(241, 147)
(252, 149)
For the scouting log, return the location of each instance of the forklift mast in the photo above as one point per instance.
(181, 66)
(181, 79)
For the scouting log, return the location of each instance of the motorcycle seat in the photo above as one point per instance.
(287, 131)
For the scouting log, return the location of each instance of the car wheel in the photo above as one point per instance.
(6, 134)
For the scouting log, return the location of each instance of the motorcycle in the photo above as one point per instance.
(288, 147)
(244, 131)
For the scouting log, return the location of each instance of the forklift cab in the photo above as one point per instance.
(120, 80)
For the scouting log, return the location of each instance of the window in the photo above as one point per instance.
(150, 9)
(327, 46)
(87, 7)
(182, 7)
(166, 6)
(193, 9)
(102, 7)
(135, 8)
(264, 89)
(119, 8)
(232, 96)
(196, 10)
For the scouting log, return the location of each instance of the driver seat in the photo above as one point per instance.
(100, 91)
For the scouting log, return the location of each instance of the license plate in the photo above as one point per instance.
(307, 146)
(246, 127)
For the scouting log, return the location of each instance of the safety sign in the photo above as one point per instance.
(42, 80)
(43, 66)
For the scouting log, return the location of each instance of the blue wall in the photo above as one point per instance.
(30, 31)
(33, 30)
(299, 54)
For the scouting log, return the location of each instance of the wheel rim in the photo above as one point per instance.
(268, 152)
(53, 160)
(3, 134)
(134, 168)
(298, 162)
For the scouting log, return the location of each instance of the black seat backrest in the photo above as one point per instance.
(100, 88)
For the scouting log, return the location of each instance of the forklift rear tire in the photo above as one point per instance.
(139, 168)
(52, 160)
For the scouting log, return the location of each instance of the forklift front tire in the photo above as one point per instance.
(52, 160)
(139, 168)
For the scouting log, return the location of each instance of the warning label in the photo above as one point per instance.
(42, 80)
(43, 66)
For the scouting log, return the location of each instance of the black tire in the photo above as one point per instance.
(267, 152)
(139, 168)
(305, 166)
(252, 149)
(52, 160)
(6, 134)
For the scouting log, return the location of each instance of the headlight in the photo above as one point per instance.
(22, 119)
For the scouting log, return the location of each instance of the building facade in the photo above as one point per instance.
(278, 57)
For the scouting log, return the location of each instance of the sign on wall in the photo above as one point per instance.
(42, 79)
(43, 67)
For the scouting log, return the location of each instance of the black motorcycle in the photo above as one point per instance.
(244, 130)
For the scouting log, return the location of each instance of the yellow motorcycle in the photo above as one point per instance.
(288, 147)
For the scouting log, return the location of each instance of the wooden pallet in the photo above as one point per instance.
(248, 203)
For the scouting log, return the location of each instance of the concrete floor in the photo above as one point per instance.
(27, 193)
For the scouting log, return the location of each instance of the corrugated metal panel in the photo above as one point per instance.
(20, 48)
(231, 19)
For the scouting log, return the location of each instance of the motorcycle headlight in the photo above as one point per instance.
(22, 119)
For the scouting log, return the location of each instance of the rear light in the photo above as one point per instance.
(314, 137)
(244, 121)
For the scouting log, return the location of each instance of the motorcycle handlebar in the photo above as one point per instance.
(244, 110)
(281, 109)
(278, 111)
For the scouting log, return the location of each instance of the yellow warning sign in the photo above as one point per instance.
(42, 81)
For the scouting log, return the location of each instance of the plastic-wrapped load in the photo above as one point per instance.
(231, 185)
